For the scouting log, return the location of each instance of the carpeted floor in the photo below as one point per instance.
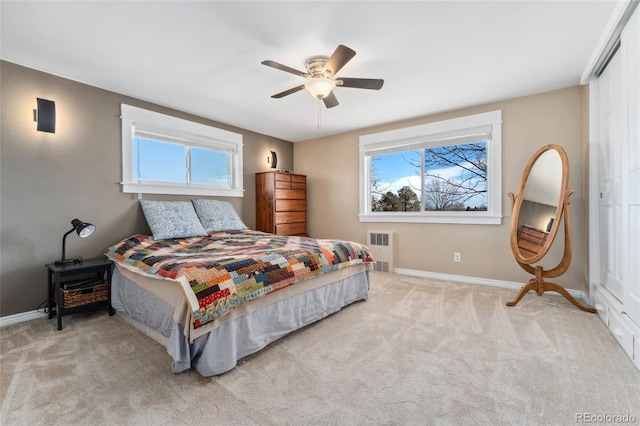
(418, 352)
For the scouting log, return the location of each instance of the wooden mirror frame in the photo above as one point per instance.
(516, 204)
(562, 213)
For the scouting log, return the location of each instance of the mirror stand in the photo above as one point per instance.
(538, 284)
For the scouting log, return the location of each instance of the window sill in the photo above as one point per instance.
(138, 188)
(466, 218)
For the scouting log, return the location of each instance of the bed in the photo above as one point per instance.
(212, 296)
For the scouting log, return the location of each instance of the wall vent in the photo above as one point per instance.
(381, 245)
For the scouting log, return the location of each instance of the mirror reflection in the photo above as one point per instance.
(539, 203)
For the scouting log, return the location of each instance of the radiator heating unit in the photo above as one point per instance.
(381, 245)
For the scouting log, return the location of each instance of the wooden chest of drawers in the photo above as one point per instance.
(281, 203)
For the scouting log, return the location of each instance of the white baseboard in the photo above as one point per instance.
(473, 280)
(22, 317)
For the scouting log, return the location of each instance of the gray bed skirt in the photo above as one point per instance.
(219, 350)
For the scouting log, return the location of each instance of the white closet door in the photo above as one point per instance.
(610, 160)
(631, 91)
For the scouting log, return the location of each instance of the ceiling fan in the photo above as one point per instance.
(321, 76)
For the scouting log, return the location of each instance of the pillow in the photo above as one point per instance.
(218, 215)
(172, 219)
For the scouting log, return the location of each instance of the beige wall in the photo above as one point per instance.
(331, 164)
(46, 180)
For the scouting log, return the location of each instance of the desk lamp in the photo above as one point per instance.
(84, 230)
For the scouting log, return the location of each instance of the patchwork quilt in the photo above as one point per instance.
(227, 269)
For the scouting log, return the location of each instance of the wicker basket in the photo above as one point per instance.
(83, 296)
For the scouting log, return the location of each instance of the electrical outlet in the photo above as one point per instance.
(457, 257)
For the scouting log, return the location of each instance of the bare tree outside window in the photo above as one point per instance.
(378, 189)
(466, 187)
(441, 195)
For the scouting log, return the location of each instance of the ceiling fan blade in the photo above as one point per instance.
(338, 59)
(288, 92)
(284, 68)
(360, 83)
(330, 100)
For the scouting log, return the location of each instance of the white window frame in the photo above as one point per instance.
(433, 134)
(195, 135)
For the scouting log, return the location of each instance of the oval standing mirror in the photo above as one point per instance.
(541, 203)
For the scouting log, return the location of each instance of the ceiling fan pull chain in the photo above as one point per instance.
(319, 116)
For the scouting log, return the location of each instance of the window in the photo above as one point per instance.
(167, 155)
(442, 172)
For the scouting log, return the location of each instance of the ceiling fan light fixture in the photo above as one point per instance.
(321, 76)
(320, 87)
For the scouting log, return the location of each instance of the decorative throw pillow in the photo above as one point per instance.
(218, 215)
(172, 219)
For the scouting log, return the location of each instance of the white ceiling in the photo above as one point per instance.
(204, 57)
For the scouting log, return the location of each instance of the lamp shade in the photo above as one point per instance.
(82, 228)
(320, 87)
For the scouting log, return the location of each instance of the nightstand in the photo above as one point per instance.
(79, 287)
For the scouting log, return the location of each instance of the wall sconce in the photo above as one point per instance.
(84, 230)
(273, 159)
(45, 116)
